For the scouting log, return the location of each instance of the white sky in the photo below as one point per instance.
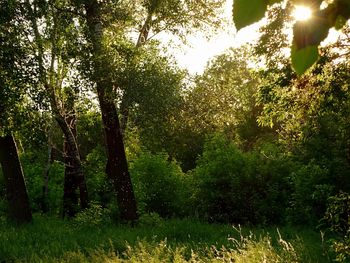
(197, 54)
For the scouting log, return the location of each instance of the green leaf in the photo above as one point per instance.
(246, 12)
(304, 58)
(271, 2)
(311, 32)
(339, 22)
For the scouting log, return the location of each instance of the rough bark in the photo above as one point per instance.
(117, 167)
(16, 192)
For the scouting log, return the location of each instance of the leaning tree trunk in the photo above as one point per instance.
(117, 167)
(16, 192)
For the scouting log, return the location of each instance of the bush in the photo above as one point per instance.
(99, 187)
(92, 216)
(158, 184)
(311, 191)
(237, 187)
(33, 168)
(337, 218)
(151, 219)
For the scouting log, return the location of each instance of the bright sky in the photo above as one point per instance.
(197, 54)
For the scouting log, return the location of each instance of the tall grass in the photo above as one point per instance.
(54, 240)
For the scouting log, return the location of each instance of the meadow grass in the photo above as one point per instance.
(50, 239)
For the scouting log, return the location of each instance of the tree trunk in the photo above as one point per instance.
(74, 178)
(117, 167)
(45, 190)
(16, 192)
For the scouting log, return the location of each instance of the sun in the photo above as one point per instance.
(302, 13)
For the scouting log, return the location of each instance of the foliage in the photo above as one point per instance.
(151, 85)
(337, 220)
(90, 132)
(100, 189)
(222, 99)
(14, 73)
(232, 186)
(180, 17)
(312, 187)
(307, 35)
(150, 219)
(159, 184)
(94, 215)
(33, 167)
(311, 116)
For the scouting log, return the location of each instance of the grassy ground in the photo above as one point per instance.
(49, 239)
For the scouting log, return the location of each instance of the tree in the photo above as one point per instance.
(117, 167)
(53, 34)
(99, 21)
(306, 35)
(222, 99)
(16, 193)
(177, 17)
(152, 93)
(12, 81)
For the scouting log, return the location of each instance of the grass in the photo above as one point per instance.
(49, 239)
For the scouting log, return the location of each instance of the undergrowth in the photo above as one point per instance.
(54, 240)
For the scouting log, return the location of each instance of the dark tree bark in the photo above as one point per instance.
(16, 192)
(117, 167)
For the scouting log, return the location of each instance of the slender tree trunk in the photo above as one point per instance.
(45, 190)
(74, 178)
(16, 192)
(117, 167)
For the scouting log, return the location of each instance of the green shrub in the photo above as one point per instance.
(92, 216)
(150, 219)
(232, 186)
(337, 219)
(99, 187)
(158, 184)
(33, 167)
(311, 189)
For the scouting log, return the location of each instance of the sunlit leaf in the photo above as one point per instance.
(304, 58)
(248, 12)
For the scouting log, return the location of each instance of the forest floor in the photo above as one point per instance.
(50, 239)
